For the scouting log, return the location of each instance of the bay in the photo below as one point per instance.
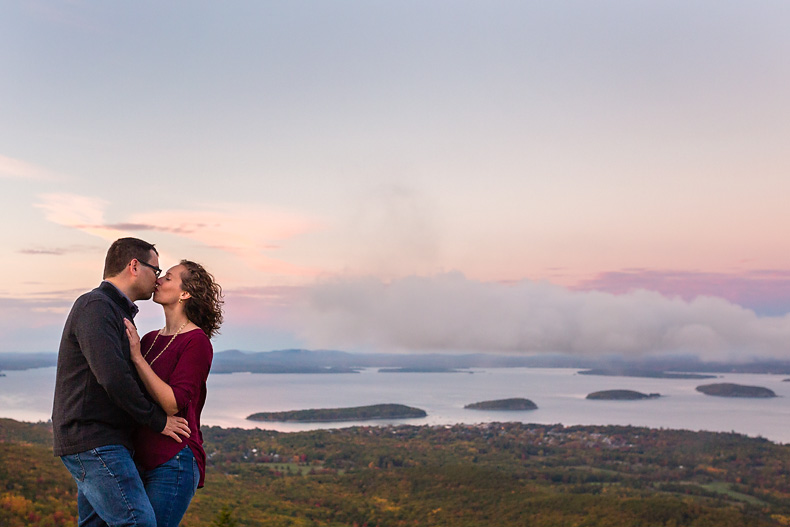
(558, 392)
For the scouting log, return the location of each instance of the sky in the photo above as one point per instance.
(447, 176)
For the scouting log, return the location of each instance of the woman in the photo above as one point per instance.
(173, 363)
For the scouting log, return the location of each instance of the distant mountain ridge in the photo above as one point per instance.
(331, 361)
(11, 361)
(335, 361)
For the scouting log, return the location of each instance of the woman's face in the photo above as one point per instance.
(168, 287)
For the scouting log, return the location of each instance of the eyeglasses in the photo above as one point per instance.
(157, 271)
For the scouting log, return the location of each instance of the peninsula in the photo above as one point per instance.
(621, 395)
(329, 415)
(515, 404)
(726, 389)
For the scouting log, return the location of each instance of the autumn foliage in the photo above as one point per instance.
(494, 474)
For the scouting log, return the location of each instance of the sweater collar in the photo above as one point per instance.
(119, 298)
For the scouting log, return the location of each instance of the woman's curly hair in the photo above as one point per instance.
(204, 308)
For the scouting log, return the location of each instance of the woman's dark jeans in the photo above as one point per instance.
(170, 487)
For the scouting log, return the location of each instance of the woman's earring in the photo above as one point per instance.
(180, 300)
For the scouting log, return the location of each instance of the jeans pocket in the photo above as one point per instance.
(74, 466)
(113, 458)
(184, 452)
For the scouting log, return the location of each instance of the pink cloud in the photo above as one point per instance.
(242, 230)
(84, 213)
(246, 232)
(58, 251)
(766, 291)
(229, 224)
(16, 168)
(55, 251)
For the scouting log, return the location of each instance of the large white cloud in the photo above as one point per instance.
(453, 313)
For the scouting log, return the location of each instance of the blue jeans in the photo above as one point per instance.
(170, 487)
(109, 489)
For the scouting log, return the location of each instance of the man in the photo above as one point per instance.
(98, 397)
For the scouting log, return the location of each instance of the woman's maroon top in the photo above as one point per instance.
(184, 365)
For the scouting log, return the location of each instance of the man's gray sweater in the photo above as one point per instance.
(99, 399)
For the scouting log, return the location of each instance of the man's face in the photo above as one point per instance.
(146, 278)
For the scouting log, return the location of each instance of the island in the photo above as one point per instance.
(621, 395)
(329, 415)
(726, 389)
(514, 404)
(650, 374)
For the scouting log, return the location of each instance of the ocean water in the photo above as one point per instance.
(558, 392)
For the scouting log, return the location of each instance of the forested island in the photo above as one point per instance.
(726, 389)
(621, 395)
(650, 374)
(328, 415)
(514, 404)
(495, 474)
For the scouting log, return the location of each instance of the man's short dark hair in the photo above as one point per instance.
(123, 251)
